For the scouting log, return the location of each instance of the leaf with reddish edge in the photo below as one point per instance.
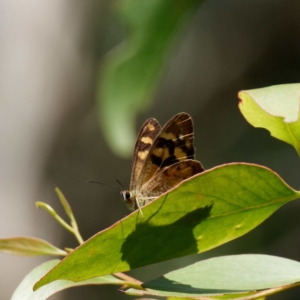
(203, 212)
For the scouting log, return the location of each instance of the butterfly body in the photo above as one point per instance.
(163, 158)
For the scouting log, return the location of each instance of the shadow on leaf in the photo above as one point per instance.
(163, 242)
(167, 285)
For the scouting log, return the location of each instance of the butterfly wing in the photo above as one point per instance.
(143, 144)
(162, 159)
(170, 177)
(174, 143)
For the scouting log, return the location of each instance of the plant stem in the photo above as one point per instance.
(125, 277)
(53, 213)
(73, 229)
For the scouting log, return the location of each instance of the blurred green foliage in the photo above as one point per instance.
(131, 72)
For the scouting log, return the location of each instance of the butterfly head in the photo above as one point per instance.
(129, 199)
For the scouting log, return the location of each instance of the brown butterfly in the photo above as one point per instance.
(163, 157)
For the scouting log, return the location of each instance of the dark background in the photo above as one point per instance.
(50, 133)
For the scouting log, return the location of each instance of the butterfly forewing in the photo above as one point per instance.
(142, 147)
(174, 143)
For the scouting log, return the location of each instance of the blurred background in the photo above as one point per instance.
(51, 60)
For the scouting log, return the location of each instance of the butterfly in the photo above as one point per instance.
(163, 158)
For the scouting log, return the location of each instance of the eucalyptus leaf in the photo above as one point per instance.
(275, 108)
(203, 212)
(29, 246)
(25, 290)
(226, 275)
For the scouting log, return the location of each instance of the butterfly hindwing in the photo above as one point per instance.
(171, 177)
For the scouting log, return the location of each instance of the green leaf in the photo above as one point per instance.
(131, 73)
(204, 212)
(64, 202)
(25, 290)
(29, 246)
(275, 108)
(230, 275)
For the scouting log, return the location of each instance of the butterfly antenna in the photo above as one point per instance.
(92, 181)
(122, 186)
(139, 207)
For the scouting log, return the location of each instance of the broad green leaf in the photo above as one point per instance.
(275, 108)
(25, 290)
(29, 246)
(131, 73)
(228, 275)
(204, 212)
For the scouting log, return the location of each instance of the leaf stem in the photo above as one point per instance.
(54, 214)
(125, 277)
(129, 282)
(271, 291)
(63, 223)
(70, 214)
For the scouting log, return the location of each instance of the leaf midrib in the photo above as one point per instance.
(281, 199)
